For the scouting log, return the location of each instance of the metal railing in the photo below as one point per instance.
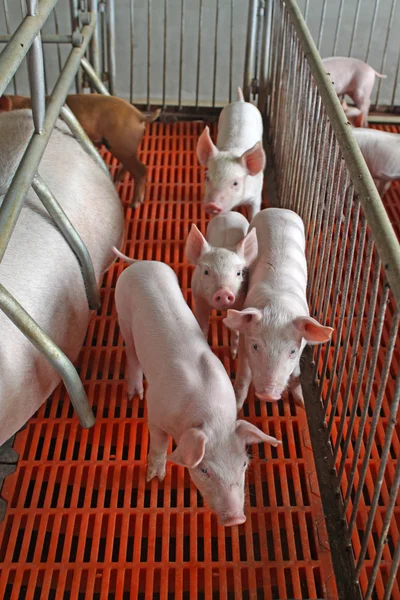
(352, 385)
(27, 40)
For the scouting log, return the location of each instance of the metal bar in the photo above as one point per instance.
(165, 53)
(215, 53)
(231, 51)
(199, 53)
(13, 201)
(388, 516)
(8, 37)
(58, 45)
(94, 42)
(148, 51)
(181, 53)
(321, 25)
(371, 32)
(338, 22)
(51, 352)
(36, 73)
(75, 26)
(251, 40)
(20, 42)
(355, 23)
(393, 573)
(111, 46)
(49, 38)
(72, 237)
(265, 72)
(82, 138)
(93, 77)
(132, 23)
(378, 220)
(383, 63)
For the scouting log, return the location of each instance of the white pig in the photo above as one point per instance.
(40, 269)
(355, 78)
(275, 324)
(189, 395)
(235, 165)
(222, 260)
(381, 152)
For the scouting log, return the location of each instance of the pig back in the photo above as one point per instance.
(40, 269)
(239, 127)
(227, 230)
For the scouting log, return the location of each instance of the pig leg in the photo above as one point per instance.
(202, 314)
(157, 458)
(363, 103)
(243, 376)
(234, 343)
(139, 172)
(382, 186)
(134, 373)
(295, 387)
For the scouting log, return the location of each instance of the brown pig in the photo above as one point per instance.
(110, 121)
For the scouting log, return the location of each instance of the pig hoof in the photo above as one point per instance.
(155, 470)
(134, 392)
(233, 353)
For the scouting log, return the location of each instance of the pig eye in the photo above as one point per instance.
(205, 471)
(239, 273)
(255, 346)
(245, 464)
(206, 272)
(235, 183)
(293, 352)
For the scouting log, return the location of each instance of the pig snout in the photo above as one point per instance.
(223, 298)
(212, 208)
(270, 394)
(229, 520)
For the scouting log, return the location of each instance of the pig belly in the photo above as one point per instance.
(239, 127)
(227, 230)
(40, 269)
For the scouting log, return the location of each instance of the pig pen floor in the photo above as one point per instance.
(81, 521)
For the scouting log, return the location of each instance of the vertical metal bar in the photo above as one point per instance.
(265, 72)
(181, 53)
(306, 7)
(72, 238)
(94, 42)
(165, 52)
(111, 46)
(148, 51)
(383, 63)
(93, 77)
(74, 10)
(396, 79)
(51, 352)
(58, 45)
(371, 32)
(321, 26)
(132, 23)
(231, 52)
(7, 22)
(199, 53)
(392, 422)
(251, 40)
(355, 23)
(338, 23)
(215, 52)
(36, 73)
(393, 573)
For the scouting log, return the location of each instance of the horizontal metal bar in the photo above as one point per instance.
(20, 42)
(82, 138)
(12, 203)
(49, 38)
(64, 367)
(378, 220)
(72, 237)
(93, 77)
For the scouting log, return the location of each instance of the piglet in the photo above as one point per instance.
(189, 396)
(222, 260)
(235, 165)
(275, 324)
(353, 77)
(381, 152)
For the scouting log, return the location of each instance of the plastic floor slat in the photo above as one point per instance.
(81, 521)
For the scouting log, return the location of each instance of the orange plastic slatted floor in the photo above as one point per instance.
(81, 521)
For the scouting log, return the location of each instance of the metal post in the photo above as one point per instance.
(265, 57)
(20, 42)
(72, 237)
(36, 73)
(82, 138)
(93, 77)
(251, 42)
(111, 46)
(51, 352)
(12, 203)
(94, 42)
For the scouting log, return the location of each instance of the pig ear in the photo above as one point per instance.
(205, 148)
(312, 331)
(196, 245)
(254, 159)
(190, 449)
(250, 434)
(248, 248)
(238, 320)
